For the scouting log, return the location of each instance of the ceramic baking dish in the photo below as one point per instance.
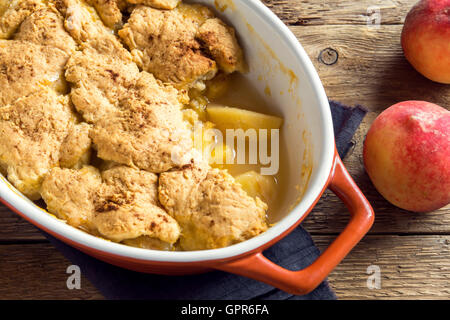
(277, 61)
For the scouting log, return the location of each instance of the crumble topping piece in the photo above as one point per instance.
(76, 147)
(85, 26)
(120, 203)
(185, 46)
(159, 4)
(126, 207)
(211, 207)
(69, 195)
(163, 42)
(46, 27)
(13, 12)
(32, 130)
(109, 11)
(219, 40)
(137, 121)
(26, 67)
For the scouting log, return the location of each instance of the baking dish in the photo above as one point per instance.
(280, 68)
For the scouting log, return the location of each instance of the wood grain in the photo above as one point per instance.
(38, 271)
(371, 69)
(411, 267)
(334, 12)
(14, 229)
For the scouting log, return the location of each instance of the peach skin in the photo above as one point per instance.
(426, 39)
(407, 155)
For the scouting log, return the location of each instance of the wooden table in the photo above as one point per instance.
(411, 250)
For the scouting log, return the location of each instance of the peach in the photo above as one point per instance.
(426, 39)
(407, 155)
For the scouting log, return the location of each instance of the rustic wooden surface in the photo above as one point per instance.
(412, 250)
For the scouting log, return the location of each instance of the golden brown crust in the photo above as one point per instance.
(126, 207)
(145, 133)
(109, 11)
(99, 83)
(26, 67)
(46, 27)
(69, 195)
(76, 147)
(118, 204)
(86, 27)
(137, 121)
(163, 42)
(13, 12)
(219, 40)
(159, 4)
(32, 130)
(212, 209)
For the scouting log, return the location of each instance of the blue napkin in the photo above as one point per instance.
(294, 252)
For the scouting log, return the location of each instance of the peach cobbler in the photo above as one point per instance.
(99, 101)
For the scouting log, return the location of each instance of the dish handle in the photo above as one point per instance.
(304, 281)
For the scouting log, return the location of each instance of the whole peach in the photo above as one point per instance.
(407, 155)
(426, 39)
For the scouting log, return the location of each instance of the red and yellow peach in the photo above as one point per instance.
(407, 155)
(426, 39)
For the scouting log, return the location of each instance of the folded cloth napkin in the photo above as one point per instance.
(294, 252)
